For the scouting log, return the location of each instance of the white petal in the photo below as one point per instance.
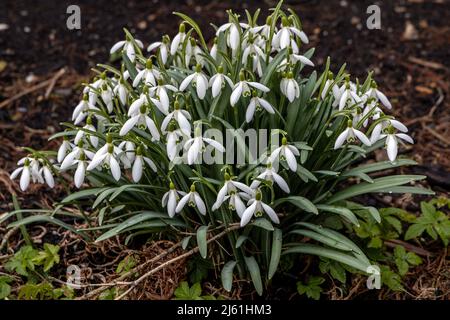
(250, 110)
(117, 46)
(48, 177)
(391, 146)
(128, 125)
(384, 100)
(362, 137)
(248, 214)
(171, 204)
(182, 203)
(259, 86)
(186, 82)
(405, 137)
(202, 85)
(115, 168)
(236, 94)
(281, 182)
(136, 172)
(398, 125)
(266, 105)
(79, 174)
(270, 212)
(290, 159)
(25, 178)
(216, 86)
(15, 173)
(341, 139)
(200, 204)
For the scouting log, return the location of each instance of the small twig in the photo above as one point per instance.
(395, 242)
(437, 135)
(7, 236)
(38, 86)
(180, 257)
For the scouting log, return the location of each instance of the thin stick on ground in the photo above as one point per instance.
(180, 257)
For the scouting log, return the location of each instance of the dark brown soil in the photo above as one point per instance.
(409, 56)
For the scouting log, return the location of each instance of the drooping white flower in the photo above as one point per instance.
(148, 75)
(392, 140)
(172, 139)
(218, 82)
(229, 191)
(178, 39)
(76, 154)
(193, 199)
(213, 51)
(285, 152)
(270, 174)
(29, 171)
(264, 30)
(142, 121)
(107, 159)
(144, 99)
(242, 88)
(257, 103)
(128, 46)
(139, 163)
(128, 150)
(107, 96)
(81, 110)
(193, 50)
(257, 208)
(164, 48)
(198, 80)
(327, 86)
(377, 94)
(233, 38)
(380, 126)
(283, 38)
(349, 135)
(80, 172)
(196, 145)
(181, 117)
(348, 93)
(82, 133)
(289, 87)
(63, 149)
(121, 91)
(46, 172)
(170, 199)
(160, 91)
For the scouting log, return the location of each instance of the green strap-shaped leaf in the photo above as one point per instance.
(147, 215)
(255, 274)
(378, 185)
(201, 241)
(323, 239)
(300, 202)
(262, 223)
(227, 275)
(344, 212)
(277, 240)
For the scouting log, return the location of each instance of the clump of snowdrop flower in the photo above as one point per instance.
(144, 112)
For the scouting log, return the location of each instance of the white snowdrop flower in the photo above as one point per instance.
(348, 94)
(380, 126)
(235, 202)
(121, 91)
(349, 135)
(298, 57)
(164, 48)
(48, 176)
(81, 110)
(63, 149)
(264, 30)
(128, 150)
(181, 117)
(192, 199)
(160, 91)
(107, 97)
(257, 103)
(127, 46)
(25, 174)
(252, 49)
(218, 81)
(289, 87)
(198, 80)
(283, 37)
(74, 155)
(170, 199)
(139, 163)
(93, 89)
(172, 139)
(107, 160)
(196, 145)
(327, 86)
(285, 152)
(193, 50)
(230, 188)
(81, 133)
(144, 99)
(392, 140)
(148, 75)
(233, 38)
(178, 39)
(242, 88)
(377, 94)
(80, 172)
(257, 208)
(271, 175)
(142, 121)
(213, 51)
